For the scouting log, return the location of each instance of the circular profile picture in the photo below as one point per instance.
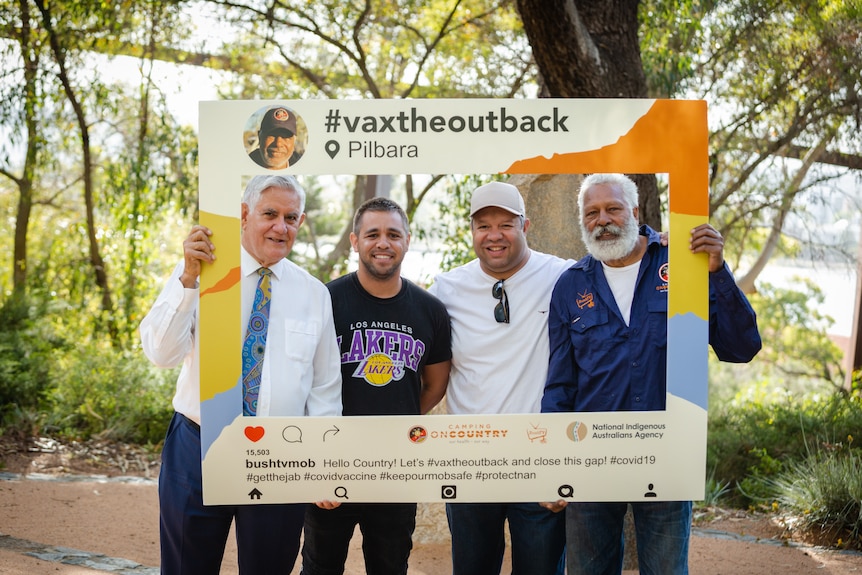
(417, 434)
(275, 137)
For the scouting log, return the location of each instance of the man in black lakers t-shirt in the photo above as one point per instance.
(394, 339)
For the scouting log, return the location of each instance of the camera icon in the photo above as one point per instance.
(448, 492)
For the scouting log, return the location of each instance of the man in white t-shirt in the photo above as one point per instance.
(498, 305)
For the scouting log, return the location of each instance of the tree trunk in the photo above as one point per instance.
(96, 260)
(25, 182)
(588, 49)
(552, 206)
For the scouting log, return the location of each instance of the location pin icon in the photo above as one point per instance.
(332, 148)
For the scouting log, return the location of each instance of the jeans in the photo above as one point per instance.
(594, 537)
(387, 531)
(538, 538)
(192, 535)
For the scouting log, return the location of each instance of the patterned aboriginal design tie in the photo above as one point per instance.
(255, 343)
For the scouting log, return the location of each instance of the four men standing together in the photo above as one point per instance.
(517, 344)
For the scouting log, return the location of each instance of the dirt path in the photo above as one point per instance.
(114, 520)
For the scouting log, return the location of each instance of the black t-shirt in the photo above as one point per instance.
(384, 345)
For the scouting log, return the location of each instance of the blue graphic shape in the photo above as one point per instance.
(217, 413)
(687, 353)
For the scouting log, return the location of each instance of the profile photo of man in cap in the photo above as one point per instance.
(277, 146)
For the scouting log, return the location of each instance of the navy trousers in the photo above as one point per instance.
(193, 536)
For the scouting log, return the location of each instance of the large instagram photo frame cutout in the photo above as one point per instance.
(546, 136)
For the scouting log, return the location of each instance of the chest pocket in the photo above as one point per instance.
(300, 339)
(590, 330)
(657, 319)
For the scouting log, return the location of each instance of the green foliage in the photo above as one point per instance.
(669, 52)
(753, 438)
(390, 49)
(788, 403)
(785, 76)
(794, 334)
(754, 485)
(824, 491)
(99, 391)
(327, 212)
(715, 492)
(142, 165)
(52, 386)
(25, 358)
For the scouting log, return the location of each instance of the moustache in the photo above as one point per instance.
(610, 229)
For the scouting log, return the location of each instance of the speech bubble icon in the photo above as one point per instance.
(332, 148)
(292, 434)
(566, 490)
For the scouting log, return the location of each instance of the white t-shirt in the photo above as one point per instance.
(622, 283)
(499, 367)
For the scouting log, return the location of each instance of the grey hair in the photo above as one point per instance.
(258, 184)
(629, 188)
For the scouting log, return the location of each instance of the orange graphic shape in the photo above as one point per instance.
(672, 137)
(225, 283)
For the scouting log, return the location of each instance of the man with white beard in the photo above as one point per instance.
(607, 328)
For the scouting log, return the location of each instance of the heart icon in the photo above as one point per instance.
(254, 433)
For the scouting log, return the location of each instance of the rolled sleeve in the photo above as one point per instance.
(733, 332)
(168, 331)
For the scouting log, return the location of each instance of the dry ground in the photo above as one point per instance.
(119, 519)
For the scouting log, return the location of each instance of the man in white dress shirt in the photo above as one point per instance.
(301, 375)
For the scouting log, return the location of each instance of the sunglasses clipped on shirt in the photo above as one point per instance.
(501, 310)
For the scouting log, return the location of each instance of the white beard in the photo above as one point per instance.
(610, 250)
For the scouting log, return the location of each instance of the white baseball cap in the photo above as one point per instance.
(498, 195)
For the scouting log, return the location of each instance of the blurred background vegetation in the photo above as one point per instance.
(98, 186)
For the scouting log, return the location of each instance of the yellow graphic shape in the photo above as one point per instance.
(689, 280)
(219, 320)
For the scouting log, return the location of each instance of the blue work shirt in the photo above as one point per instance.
(598, 363)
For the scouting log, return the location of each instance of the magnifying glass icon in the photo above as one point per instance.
(341, 492)
(566, 490)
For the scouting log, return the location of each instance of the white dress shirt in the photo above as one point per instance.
(301, 367)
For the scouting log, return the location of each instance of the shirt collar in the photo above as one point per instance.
(249, 265)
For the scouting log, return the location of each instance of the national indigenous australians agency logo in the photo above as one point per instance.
(379, 369)
(577, 431)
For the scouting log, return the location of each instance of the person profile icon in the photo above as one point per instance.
(278, 141)
(650, 492)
